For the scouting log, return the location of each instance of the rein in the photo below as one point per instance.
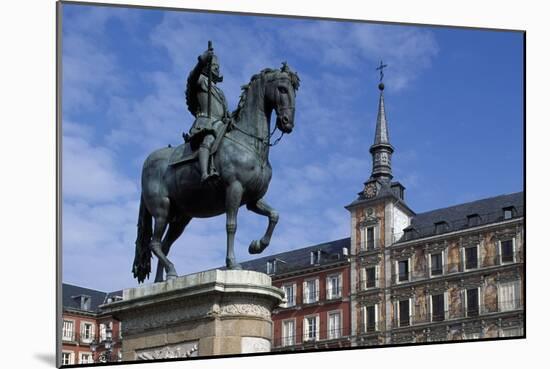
(266, 140)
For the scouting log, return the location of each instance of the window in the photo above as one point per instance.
(271, 266)
(472, 336)
(86, 358)
(288, 332)
(507, 251)
(310, 289)
(403, 270)
(315, 257)
(472, 302)
(311, 328)
(68, 330)
(290, 295)
(370, 318)
(102, 332)
(471, 257)
(508, 213)
(334, 325)
(509, 295)
(87, 333)
(437, 307)
(370, 238)
(440, 227)
(67, 358)
(473, 220)
(403, 313)
(334, 286)
(371, 276)
(436, 264)
(512, 332)
(409, 234)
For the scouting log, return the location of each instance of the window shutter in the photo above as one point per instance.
(317, 327)
(478, 300)
(340, 291)
(464, 296)
(376, 275)
(478, 256)
(82, 330)
(363, 277)
(430, 308)
(443, 260)
(396, 312)
(285, 303)
(396, 271)
(410, 261)
(374, 236)
(446, 305)
(499, 252)
(376, 317)
(411, 311)
(328, 289)
(306, 330)
(514, 250)
(305, 292)
(316, 290)
(463, 258)
(294, 293)
(430, 265)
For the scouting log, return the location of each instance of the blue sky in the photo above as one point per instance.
(454, 102)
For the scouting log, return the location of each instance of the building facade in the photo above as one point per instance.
(83, 325)
(448, 274)
(316, 312)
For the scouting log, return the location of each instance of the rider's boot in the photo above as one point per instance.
(204, 154)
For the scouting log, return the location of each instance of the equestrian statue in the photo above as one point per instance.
(223, 164)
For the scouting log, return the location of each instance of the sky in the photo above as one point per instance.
(454, 105)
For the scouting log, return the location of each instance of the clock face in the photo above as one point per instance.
(370, 190)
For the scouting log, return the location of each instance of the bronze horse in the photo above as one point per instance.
(173, 194)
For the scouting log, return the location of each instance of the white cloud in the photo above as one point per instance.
(90, 173)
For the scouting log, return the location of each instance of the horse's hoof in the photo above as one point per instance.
(255, 247)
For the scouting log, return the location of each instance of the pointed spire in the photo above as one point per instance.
(381, 136)
(381, 150)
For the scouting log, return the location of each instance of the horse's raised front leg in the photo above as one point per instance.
(175, 229)
(262, 208)
(233, 197)
(160, 215)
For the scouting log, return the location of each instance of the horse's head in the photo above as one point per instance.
(280, 95)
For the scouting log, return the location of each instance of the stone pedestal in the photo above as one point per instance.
(217, 312)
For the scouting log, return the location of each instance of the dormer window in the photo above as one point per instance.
(85, 302)
(315, 257)
(409, 234)
(474, 220)
(271, 266)
(509, 212)
(440, 227)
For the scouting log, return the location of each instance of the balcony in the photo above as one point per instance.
(451, 315)
(483, 263)
(299, 341)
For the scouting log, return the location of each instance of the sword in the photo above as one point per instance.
(210, 48)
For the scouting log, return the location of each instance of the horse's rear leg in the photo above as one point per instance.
(161, 211)
(175, 229)
(262, 208)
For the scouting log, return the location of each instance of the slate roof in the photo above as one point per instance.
(299, 259)
(71, 299)
(490, 210)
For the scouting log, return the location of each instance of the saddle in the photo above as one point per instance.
(184, 154)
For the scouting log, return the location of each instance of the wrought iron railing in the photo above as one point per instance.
(461, 313)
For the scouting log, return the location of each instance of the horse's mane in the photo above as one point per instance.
(294, 80)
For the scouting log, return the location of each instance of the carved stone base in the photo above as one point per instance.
(209, 313)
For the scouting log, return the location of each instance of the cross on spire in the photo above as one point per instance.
(381, 69)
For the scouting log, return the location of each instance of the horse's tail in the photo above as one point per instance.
(142, 259)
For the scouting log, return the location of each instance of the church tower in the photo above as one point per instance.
(377, 216)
